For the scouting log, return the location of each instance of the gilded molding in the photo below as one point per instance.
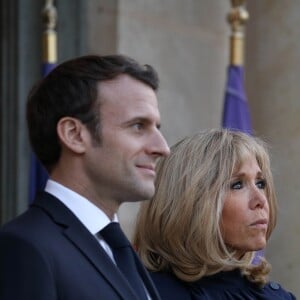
(237, 18)
(49, 45)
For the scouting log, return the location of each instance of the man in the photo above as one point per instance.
(94, 124)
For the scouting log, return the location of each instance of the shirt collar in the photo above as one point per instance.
(92, 217)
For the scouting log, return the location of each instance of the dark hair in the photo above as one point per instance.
(71, 90)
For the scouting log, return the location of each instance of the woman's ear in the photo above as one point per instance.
(71, 134)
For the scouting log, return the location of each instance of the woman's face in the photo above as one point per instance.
(245, 213)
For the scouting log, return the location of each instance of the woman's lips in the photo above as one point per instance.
(261, 223)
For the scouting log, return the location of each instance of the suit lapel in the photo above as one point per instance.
(85, 242)
(146, 279)
(94, 253)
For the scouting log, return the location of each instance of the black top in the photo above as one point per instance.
(229, 285)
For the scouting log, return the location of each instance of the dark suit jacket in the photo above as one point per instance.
(47, 254)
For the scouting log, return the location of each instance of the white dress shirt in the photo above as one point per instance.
(92, 217)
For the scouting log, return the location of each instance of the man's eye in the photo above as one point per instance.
(236, 185)
(261, 184)
(138, 126)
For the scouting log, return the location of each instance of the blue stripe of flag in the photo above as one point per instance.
(38, 174)
(236, 114)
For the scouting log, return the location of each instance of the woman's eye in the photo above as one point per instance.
(261, 184)
(236, 185)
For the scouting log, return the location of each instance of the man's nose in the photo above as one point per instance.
(159, 145)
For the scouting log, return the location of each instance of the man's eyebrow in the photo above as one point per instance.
(144, 120)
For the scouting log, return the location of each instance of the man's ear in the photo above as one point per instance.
(71, 133)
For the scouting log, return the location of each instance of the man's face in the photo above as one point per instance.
(122, 168)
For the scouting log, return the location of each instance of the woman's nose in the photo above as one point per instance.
(258, 198)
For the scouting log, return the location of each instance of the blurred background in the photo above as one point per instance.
(188, 44)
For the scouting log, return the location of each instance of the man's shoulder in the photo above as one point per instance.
(29, 225)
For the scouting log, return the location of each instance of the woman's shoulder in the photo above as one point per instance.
(221, 286)
(274, 289)
(232, 285)
(170, 287)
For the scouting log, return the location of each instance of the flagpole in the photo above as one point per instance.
(38, 175)
(237, 18)
(49, 42)
(236, 113)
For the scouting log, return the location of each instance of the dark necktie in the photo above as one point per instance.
(124, 257)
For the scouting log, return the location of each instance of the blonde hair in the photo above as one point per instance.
(178, 230)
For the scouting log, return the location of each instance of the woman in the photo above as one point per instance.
(214, 207)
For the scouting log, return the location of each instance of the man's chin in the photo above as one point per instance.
(144, 196)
